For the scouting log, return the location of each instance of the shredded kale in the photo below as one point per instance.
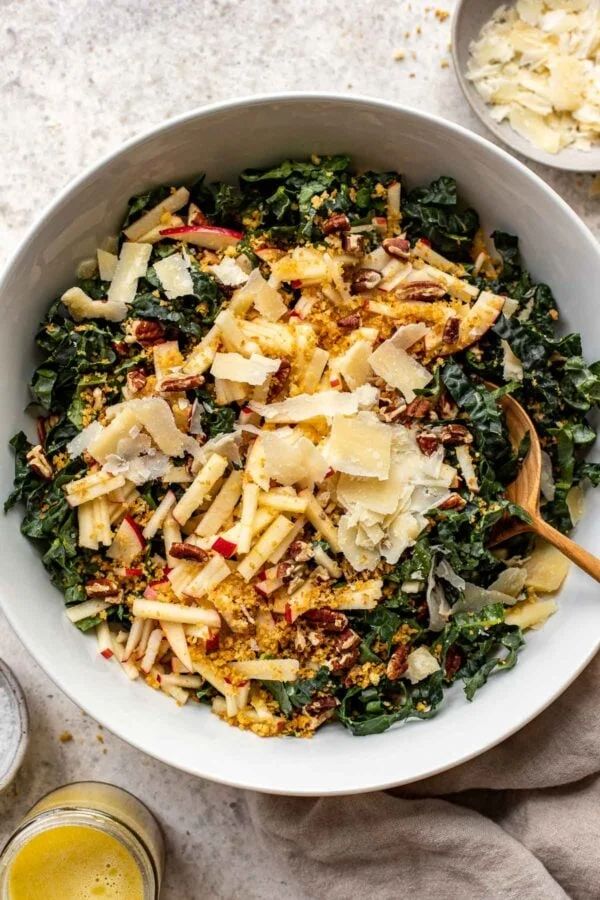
(434, 212)
(293, 695)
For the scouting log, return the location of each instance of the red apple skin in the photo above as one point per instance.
(209, 236)
(224, 547)
(136, 530)
(212, 643)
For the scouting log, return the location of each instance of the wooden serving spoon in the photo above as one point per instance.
(525, 491)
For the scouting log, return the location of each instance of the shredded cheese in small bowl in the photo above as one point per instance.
(531, 70)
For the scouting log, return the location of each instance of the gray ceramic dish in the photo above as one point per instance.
(15, 725)
(469, 17)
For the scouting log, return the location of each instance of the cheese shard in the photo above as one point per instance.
(107, 263)
(132, 264)
(174, 275)
(236, 367)
(382, 497)
(397, 368)
(310, 406)
(360, 445)
(81, 306)
(354, 366)
(259, 292)
(291, 458)
(229, 272)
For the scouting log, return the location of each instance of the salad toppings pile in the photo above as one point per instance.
(268, 467)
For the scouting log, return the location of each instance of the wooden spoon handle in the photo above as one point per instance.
(586, 561)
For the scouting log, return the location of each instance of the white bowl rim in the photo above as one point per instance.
(255, 100)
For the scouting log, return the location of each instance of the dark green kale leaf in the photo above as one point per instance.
(433, 212)
(485, 420)
(374, 709)
(216, 420)
(293, 695)
(485, 643)
(191, 314)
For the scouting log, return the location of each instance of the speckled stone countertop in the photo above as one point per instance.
(78, 78)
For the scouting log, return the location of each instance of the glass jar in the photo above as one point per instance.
(86, 839)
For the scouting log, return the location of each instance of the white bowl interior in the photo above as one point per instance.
(221, 141)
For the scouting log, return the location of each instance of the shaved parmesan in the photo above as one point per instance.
(360, 445)
(310, 406)
(83, 440)
(397, 368)
(229, 272)
(174, 275)
(235, 367)
(107, 263)
(537, 64)
(132, 264)
(291, 458)
(421, 664)
(354, 366)
(512, 367)
(83, 307)
(259, 292)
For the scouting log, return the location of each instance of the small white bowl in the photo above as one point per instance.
(221, 140)
(468, 19)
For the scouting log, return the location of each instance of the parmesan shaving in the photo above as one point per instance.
(174, 275)
(236, 367)
(310, 406)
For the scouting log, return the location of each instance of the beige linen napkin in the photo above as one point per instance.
(521, 821)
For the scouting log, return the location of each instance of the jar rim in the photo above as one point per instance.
(65, 815)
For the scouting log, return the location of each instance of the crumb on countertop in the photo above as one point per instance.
(65, 737)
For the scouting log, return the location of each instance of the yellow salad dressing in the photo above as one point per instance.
(84, 841)
(74, 862)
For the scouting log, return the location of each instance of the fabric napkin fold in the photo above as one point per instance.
(520, 821)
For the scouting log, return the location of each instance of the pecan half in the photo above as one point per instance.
(101, 587)
(365, 280)
(279, 380)
(147, 332)
(451, 330)
(452, 435)
(428, 443)
(398, 247)
(38, 463)
(454, 661)
(180, 383)
(321, 705)
(328, 619)
(398, 663)
(347, 640)
(300, 551)
(352, 321)
(418, 408)
(421, 290)
(446, 407)
(345, 661)
(336, 222)
(454, 501)
(136, 380)
(183, 550)
(353, 243)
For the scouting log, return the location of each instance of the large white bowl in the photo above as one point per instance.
(221, 140)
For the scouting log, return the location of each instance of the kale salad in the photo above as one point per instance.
(269, 462)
